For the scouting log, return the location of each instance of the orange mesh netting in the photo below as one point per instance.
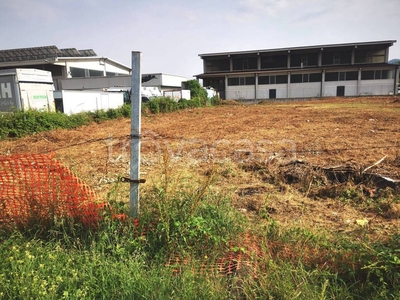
(35, 187)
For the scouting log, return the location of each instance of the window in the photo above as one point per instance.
(341, 76)
(263, 79)
(95, 73)
(77, 72)
(351, 75)
(377, 74)
(245, 63)
(281, 79)
(304, 60)
(387, 74)
(302, 78)
(233, 81)
(367, 75)
(315, 77)
(217, 65)
(274, 79)
(273, 61)
(295, 60)
(336, 58)
(333, 76)
(296, 78)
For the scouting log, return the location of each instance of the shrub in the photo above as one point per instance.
(18, 123)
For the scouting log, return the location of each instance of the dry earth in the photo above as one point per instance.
(272, 158)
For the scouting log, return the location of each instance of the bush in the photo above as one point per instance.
(18, 124)
(196, 90)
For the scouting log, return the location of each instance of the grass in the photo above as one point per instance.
(191, 243)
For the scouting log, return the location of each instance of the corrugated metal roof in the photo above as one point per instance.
(35, 53)
(388, 42)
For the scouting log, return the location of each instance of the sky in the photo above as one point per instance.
(171, 34)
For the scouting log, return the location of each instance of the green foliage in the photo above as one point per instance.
(189, 219)
(196, 90)
(18, 123)
(166, 104)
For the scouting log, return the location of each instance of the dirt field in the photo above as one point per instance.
(299, 163)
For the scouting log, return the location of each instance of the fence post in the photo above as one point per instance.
(135, 134)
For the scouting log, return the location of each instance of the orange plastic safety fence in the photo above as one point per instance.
(36, 188)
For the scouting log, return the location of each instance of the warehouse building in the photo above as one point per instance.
(84, 75)
(74, 69)
(351, 69)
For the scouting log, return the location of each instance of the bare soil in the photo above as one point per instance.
(318, 163)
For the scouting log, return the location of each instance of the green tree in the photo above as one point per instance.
(196, 90)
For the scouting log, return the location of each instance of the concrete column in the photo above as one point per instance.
(288, 60)
(353, 55)
(320, 58)
(226, 86)
(256, 87)
(288, 86)
(359, 82)
(322, 84)
(68, 70)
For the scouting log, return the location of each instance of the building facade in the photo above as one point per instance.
(351, 69)
(62, 63)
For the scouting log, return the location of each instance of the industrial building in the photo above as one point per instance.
(351, 69)
(83, 70)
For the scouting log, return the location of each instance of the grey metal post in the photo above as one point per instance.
(135, 134)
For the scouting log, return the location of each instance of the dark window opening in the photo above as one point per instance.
(315, 77)
(367, 75)
(333, 76)
(295, 60)
(95, 73)
(245, 63)
(296, 78)
(217, 65)
(352, 75)
(312, 59)
(77, 72)
(274, 79)
(273, 61)
(281, 79)
(241, 81)
(327, 58)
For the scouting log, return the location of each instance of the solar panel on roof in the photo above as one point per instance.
(88, 52)
(42, 53)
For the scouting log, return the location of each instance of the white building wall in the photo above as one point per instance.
(83, 101)
(377, 87)
(97, 65)
(240, 92)
(172, 80)
(331, 88)
(305, 90)
(263, 91)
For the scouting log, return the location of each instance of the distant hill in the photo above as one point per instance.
(394, 61)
